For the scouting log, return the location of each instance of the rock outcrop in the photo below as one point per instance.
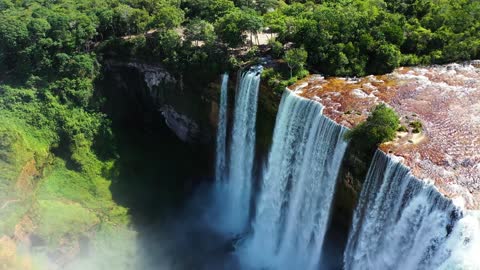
(439, 108)
(186, 106)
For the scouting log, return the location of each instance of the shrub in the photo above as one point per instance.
(268, 73)
(380, 127)
(302, 74)
(296, 59)
(416, 126)
(252, 52)
(402, 128)
(276, 48)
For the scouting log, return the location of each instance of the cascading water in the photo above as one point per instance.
(236, 189)
(297, 190)
(403, 223)
(221, 155)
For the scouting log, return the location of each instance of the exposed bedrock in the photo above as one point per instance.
(187, 103)
(438, 108)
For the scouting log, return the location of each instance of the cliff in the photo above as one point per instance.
(438, 106)
(187, 103)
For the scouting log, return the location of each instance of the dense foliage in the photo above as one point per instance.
(380, 126)
(342, 37)
(375, 36)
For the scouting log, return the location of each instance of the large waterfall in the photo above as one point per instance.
(221, 154)
(293, 208)
(403, 223)
(400, 222)
(236, 189)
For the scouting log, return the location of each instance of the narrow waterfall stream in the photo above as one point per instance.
(221, 149)
(404, 223)
(236, 190)
(294, 205)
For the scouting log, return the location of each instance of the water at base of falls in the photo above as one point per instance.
(234, 189)
(297, 189)
(403, 223)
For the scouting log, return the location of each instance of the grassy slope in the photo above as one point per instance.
(61, 203)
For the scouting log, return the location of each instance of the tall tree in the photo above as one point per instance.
(296, 59)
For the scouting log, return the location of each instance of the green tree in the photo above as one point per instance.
(14, 33)
(128, 20)
(252, 23)
(209, 10)
(296, 59)
(229, 28)
(167, 18)
(233, 27)
(263, 6)
(386, 58)
(167, 45)
(200, 30)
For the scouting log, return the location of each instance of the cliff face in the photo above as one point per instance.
(439, 109)
(187, 104)
(163, 130)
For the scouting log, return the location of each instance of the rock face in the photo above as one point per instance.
(439, 108)
(185, 128)
(153, 75)
(186, 107)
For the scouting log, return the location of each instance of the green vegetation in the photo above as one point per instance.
(416, 126)
(374, 36)
(44, 41)
(55, 159)
(287, 72)
(296, 59)
(380, 126)
(56, 219)
(402, 128)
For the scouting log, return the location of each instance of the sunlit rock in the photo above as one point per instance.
(444, 99)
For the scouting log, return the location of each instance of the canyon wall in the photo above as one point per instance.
(188, 104)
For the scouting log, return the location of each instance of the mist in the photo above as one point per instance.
(186, 239)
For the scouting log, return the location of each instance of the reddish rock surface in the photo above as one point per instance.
(445, 99)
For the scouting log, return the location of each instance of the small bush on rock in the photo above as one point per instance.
(380, 127)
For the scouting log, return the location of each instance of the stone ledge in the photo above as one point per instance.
(445, 99)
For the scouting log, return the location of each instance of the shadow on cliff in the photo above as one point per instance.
(156, 171)
(163, 181)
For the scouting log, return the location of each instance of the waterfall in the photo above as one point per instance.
(293, 208)
(236, 191)
(403, 223)
(220, 163)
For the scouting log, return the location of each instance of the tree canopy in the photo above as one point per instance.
(354, 37)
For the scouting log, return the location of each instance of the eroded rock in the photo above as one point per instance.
(445, 99)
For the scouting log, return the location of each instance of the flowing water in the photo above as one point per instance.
(293, 208)
(403, 223)
(221, 154)
(236, 189)
(400, 221)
